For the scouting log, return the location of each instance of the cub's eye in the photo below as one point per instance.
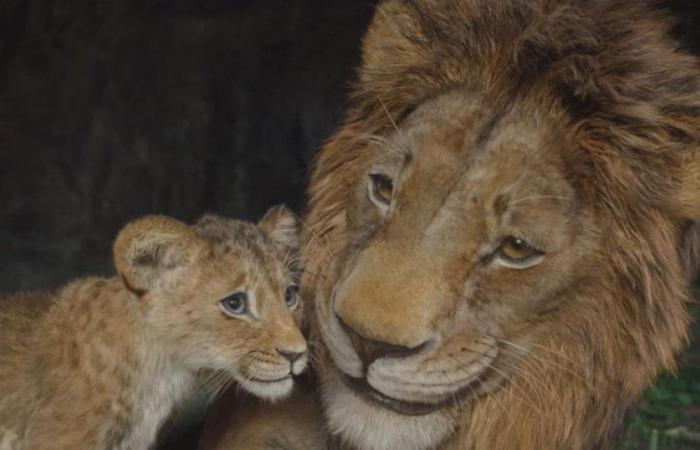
(380, 189)
(291, 296)
(235, 305)
(517, 253)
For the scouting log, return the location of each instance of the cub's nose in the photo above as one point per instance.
(290, 355)
(370, 350)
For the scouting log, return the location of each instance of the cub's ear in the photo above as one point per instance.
(282, 226)
(151, 252)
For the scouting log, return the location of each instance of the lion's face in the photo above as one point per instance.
(507, 266)
(462, 235)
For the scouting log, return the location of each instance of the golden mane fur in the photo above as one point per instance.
(631, 99)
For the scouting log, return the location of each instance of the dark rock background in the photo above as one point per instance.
(114, 109)
(111, 109)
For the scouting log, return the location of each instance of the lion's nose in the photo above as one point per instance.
(369, 350)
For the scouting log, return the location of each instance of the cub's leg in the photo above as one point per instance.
(74, 413)
(55, 428)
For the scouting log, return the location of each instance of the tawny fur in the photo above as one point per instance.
(630, 103)
(241, 422)
(601, 108)
(100, 363)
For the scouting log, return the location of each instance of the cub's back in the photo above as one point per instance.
(19, 315)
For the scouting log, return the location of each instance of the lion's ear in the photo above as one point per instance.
(151, 252)
(282, 226)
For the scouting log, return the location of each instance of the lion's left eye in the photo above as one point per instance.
(517, 253)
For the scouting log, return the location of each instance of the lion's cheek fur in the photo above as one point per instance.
(624, 103)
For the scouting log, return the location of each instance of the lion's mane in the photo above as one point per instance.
(633, 99)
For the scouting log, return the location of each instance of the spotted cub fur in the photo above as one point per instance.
(100, 363)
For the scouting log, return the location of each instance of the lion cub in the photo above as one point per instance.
(101, 363)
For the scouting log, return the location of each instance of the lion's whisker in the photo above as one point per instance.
(391, 119)
(549, 361)
(385, 143)
(505, 377)
(324, 244)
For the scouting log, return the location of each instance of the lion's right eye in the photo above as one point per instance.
(517, 253)
(381, 188)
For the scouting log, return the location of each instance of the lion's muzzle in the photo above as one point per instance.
(416, 380)
(370, 350)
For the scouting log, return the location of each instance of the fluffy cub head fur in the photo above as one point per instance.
(221, 294)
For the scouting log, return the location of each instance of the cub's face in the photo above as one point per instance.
(223, 296)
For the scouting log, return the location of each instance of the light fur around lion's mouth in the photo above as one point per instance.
(275, 380)
(407, 385)
(406, 408)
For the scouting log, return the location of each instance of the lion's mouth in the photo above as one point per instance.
(406, 408)
(270, 380)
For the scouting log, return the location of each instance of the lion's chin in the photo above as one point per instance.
(368, 425)
(370, 394)
(476, 386)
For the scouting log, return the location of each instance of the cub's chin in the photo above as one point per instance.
(271, 390)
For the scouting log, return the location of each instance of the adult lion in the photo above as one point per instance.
(501, 235)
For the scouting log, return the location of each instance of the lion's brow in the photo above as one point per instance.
(385, 143)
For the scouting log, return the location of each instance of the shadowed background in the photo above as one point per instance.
(114, 109)
(111, 109)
